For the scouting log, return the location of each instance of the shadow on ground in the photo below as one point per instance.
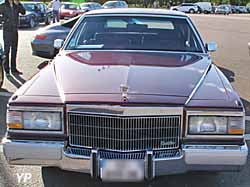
(228, 73)
(43, 64)
(3, 104)
(4, 90)
(14, 81)
(247, 106)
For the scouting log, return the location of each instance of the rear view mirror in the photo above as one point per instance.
(58, 43)
(211, 46)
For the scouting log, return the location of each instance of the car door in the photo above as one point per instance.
(40, 12)
(182, 8)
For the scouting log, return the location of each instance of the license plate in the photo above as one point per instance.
(67, 17)
(122, 170)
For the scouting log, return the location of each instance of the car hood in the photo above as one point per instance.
(143, 77)
(55, 28)
(148, 74)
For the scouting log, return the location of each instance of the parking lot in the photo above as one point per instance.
(232, 36)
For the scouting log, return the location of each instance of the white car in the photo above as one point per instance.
(186, 7)
(206, 7)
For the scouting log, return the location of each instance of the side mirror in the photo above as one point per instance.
(211, 46)
(249, 47)
(58, 43)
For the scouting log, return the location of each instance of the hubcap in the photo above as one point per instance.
(32, 23)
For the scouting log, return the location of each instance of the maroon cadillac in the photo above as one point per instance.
(133, 94)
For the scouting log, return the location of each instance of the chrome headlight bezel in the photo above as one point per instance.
(220, 114)
(38, 110)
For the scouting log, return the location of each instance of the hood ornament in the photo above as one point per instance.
(124, 90)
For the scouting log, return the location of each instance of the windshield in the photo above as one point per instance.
(134, 33)
(29, 6)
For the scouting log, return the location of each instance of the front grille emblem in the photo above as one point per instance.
(124, 91)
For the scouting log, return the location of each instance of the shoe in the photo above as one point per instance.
(16, 72)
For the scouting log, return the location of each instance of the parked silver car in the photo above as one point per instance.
(186, 7)
(115, 4)
(222, 9)
(42, 43)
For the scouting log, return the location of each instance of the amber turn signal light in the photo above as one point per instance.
(236, 131)
(15, 126)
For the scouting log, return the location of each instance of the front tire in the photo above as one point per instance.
(191, 11)
(48, 21)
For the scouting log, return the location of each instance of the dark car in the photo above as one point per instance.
(132, 95)
(242, 9)
(1, 16)
(248, 9)
(115, 4)
(90, 6)
(36, 12)
(42, 44)
(1, 66)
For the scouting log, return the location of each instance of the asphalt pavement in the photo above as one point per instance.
(232, 33)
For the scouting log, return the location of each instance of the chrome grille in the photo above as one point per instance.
(123, 133)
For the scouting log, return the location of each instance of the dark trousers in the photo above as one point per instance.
(56, 16)
(10, 44)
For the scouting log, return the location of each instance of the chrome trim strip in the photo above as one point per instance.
(35, 109)
(214, 113)
(125, 111)
(198, 84)
(197, 34)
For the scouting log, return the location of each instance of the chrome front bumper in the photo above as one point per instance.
(192, 158)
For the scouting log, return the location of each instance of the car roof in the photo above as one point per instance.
(136, 11)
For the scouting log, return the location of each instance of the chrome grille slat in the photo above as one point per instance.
(159, 154)
(124, 133)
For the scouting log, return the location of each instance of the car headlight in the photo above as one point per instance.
(34, 120)
(215, 125)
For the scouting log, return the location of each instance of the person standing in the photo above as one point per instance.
(10, 10)
(56, 5)
(156, 4)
